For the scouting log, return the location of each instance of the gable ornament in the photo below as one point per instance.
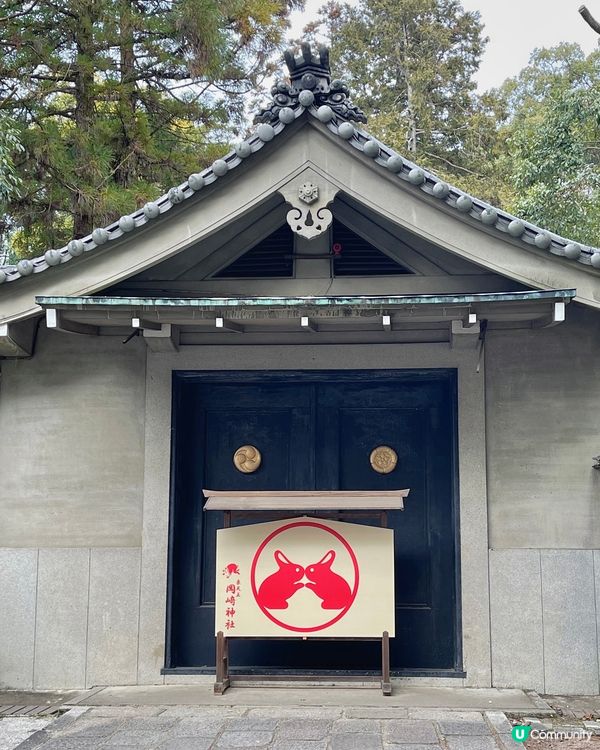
(309, 195)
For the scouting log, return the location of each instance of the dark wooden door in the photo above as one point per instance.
(317, 431)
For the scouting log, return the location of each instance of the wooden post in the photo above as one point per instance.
(222, 665)
(386, 682)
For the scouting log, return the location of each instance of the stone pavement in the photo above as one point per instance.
(14, 730)
(273, 728)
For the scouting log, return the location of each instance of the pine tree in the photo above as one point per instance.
(117, 99)
(410, 65)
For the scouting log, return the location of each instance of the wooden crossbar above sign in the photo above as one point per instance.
(305, 500)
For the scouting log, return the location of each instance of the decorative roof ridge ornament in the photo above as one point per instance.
(310, 84)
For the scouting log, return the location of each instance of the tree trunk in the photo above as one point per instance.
(126, 156)
(411, 135)
(84, 116)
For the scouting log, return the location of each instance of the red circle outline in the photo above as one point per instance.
(258, 553)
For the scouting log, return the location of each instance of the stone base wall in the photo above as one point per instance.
(545, 619)
(69, 617)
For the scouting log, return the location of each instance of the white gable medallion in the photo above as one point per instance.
(309, 195)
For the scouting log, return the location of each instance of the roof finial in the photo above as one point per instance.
(309, 73)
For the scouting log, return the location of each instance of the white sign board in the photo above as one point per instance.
(305, 577)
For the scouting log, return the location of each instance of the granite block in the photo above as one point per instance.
(18, 580)
(570, 638)
(61, 618)
(516, 619)
(113, 616)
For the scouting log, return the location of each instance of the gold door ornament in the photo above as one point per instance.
(383, 459)
(247, 459)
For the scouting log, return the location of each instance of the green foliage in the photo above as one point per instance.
(115, 100)
(410, 66)
(553, 139)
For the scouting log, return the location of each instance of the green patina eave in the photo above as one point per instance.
(338, 301)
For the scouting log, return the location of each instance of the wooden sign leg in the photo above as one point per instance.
(386, 681)
(222, 665)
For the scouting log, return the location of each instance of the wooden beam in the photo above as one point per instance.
(228, 325)
(307, 324)
(462, 336)
(146, 325)
(55, 321)
(16, 339)
(165, 340)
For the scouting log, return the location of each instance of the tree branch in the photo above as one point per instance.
(589, 19)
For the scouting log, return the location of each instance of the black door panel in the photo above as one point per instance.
(316, 432)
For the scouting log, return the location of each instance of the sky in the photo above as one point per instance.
(514, 27)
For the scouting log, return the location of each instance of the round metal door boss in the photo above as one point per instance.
(247, 459)
(383, 459)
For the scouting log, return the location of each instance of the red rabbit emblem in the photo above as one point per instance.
(327, 585)
(277, 588)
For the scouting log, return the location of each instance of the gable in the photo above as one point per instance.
(256, 176)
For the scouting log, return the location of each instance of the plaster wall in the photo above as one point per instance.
(543, 428)
(83, 564)
(72, 412)
(72, 426)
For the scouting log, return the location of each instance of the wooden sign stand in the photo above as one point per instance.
(254, 504)
(223, 679)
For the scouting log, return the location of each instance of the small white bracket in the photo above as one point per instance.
(307, 324)
(386, 322)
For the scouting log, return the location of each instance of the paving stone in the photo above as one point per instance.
(388, 746)
(125, 712)
(300, 745)
(356, 725)
(536, 723)
(443, 714)
(77, 712)
(457, 726)
(186, 743)
(470, 742)
(507, 742)
(149, 724)
(196, 712)
(409, 731)
(198, 727)
(499, 721)
(376, 713)
(311, 729)
(70, 743)
(244, 739)
(85, 727)
(291, 712)
(132, 738)
(33, 742)
(250, 724)
(355, 741)
(592, 726)
(10, 737)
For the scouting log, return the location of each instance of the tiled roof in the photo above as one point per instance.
(329, 104)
